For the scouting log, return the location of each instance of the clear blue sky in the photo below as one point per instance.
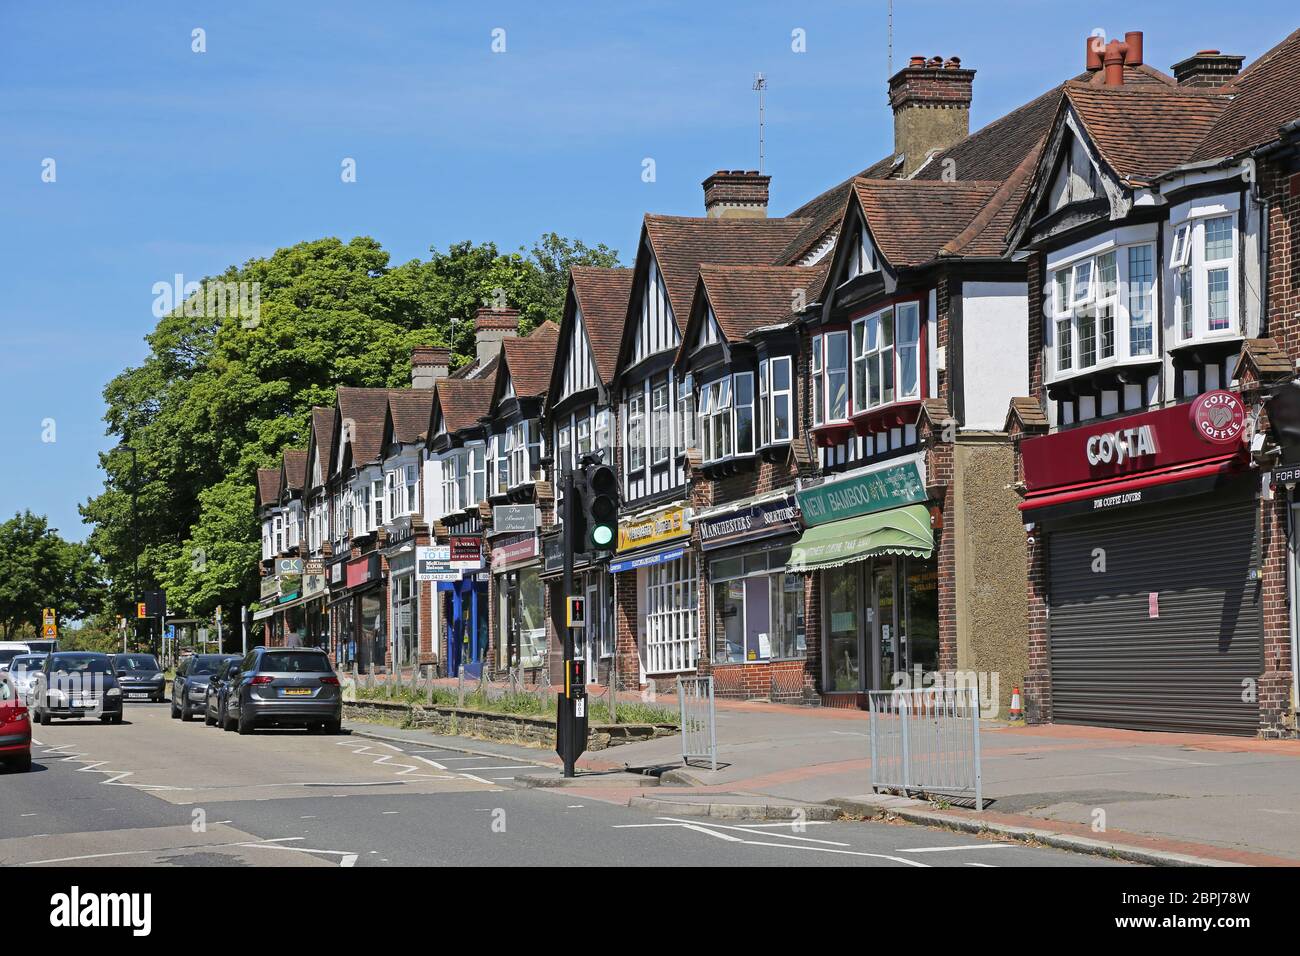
(170, 161)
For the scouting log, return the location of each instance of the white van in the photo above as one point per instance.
(9, 650)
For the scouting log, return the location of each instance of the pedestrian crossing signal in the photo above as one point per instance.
(140, 610)
(575, 614)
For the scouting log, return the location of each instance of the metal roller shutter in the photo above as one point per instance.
(1112, 663)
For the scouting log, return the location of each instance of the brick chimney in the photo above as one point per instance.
(931, 102)
(490, 327)
(736, 194)
(1207, 68)
(428, 364)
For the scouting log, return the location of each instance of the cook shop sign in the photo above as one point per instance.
(1210, 428)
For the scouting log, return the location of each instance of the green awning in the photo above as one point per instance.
(897, 531)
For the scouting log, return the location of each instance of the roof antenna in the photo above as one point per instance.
(890, 54)
(760, 84)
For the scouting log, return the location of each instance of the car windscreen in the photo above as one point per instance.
(302, 662)
(27, 663)
(9, 653)
(77, 664)
(207, 665)
(137, 662)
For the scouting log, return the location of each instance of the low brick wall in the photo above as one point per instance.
(488, 725)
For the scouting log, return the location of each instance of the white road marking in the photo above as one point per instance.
(945, 849)
(431, 763)
(196, 846)
(713, 830)
(390, 812)
(988, 865)
(575, 806)
(514, 766)
(1193, 763)
(479, 779)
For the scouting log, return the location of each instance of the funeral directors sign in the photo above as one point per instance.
(891, 485)
(747, 522)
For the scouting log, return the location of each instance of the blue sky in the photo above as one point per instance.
(170, 161)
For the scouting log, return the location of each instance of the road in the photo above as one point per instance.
(157, 791)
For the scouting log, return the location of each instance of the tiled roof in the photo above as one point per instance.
(1269, 359)
(366, 408)
(322, 426)
(993, 153)
(1143, 131)
(825, 211)
(602, 296)
(530, 359)
(295, 468)
(268, 486)
(1265, 96)
(410, 409)
(912, 220)
(1029, 411)
(682, 244)
(745, 298)
(464, 401)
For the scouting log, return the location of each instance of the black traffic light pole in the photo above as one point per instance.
(571, 709)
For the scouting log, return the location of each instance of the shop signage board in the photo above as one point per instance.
(778, 516)
(514, 518)
(661, 526)
(645, 561)
(270, 587)
(514, 551)
(433, 563)
(363, 570)
(288, 565)
(465, 552)
(1211, 427)
(313, 578)
(892, 485)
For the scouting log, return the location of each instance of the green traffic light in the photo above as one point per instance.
(602, 535)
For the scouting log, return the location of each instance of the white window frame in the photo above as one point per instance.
(672, 639)
(818, 386)
(635, 433)
(828, 372)
(1190, 270)
(768, 395)
(661, 443)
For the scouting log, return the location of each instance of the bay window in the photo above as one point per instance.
(279, 533)
(501, 474)
(391, 479)
(818, 404)
(1203, 257)
(563, 446)
(686, 412)
(887, 356)
(450, 497)
(412, 474)
(727, 417)
(477, 474)
(837, 376)
(660, 424)
(377, 501)
(1102, 309)
(776, 401)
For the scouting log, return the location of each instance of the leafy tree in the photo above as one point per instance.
(38, 569)
(219, 396)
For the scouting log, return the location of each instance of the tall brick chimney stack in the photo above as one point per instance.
(428, 364)
(490, 327)
(1207, 68)
(931, 102)
(736, 194)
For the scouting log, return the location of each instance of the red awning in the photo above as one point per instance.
(1119, 486)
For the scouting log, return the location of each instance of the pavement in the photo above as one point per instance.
(160, 792)
(1147, 797)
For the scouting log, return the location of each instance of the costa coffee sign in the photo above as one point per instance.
(1212, 427)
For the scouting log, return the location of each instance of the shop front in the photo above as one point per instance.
(520, 599)
(755, 630)
(657, 592)
(1145, 531)
(463, 596)
(593, 644)
(357, 612)
(869, 540)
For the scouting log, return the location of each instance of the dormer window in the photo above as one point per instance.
(886, 357)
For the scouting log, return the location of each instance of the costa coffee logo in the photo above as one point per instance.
(1219, 417)
(1118, 446)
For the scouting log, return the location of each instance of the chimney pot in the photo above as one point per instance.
(1133, 42)
(916, 61)
(1114, 63)
(736, 194)
(954, 63)
(1094, 47)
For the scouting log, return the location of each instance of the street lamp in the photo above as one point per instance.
(135, 532)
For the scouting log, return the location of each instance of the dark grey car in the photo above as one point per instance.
(214, 695)
(77, 684)
(190, 685)
(140, 676)
(286, 687)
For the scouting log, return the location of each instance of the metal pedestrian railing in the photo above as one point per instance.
(699, 730)
(926, 741)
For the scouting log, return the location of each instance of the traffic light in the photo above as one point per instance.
(600, 508)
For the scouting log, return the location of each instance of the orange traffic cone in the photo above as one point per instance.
(1016, 713)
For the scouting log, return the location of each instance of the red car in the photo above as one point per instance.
(15, 727)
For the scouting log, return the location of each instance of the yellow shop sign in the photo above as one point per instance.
(660, 526)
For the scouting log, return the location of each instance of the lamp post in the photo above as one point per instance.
(135, 535)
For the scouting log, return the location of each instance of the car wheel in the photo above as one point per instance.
(333, 726)
(175, 713)
(105, 719)
(21, 764)
(44, 718)
(224, 720)
(186, 714)
(247, 724)
(208, 719)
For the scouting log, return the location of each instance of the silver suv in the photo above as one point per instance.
(285, 687)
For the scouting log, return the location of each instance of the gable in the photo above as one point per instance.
(579, 367)
(656, 327)
(1076, 178)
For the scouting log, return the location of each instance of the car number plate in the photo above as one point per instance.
(78, 702)
(137, 696)
(297, 691)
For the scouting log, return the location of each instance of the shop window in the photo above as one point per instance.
(843, 664)
(521, 635)
(670, 619)
(757, 609)
(406, 620)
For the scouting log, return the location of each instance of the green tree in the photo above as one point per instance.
(219, 396)
(38, 569)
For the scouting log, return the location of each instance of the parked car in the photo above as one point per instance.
(22, 671)
(191, 682)
(9, 650)
(15, 728)
(140, 676)
(77, 684)
(284, 686)
(214, 696)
